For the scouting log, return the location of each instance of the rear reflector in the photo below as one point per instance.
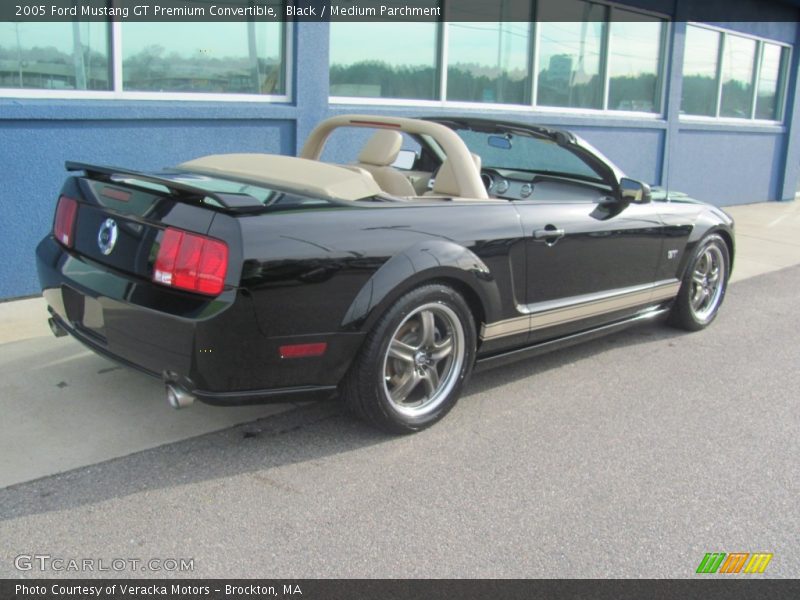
(64, 225)
(303, 350)
(192, 262)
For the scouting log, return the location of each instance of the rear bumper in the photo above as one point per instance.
(213, 348)
(232, 398)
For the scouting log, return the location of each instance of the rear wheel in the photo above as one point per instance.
(704, 285)
(414, 362)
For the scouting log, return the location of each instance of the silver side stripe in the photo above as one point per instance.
(558, 312)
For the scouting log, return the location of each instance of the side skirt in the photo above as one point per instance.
(511, 356)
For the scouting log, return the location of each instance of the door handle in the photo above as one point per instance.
(550, 234)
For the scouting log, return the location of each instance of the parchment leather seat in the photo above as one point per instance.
(377, 156)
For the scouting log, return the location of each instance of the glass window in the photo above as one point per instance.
(218, 57)
(570, 55)
(384, 60)
(634, 63)
(488, 62)
(54, 56)
(700, 59)
(769, 79)
(737, 77)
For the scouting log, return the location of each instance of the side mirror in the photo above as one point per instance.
(631, 190)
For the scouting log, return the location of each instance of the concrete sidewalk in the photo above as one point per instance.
(89, 410)
(767, 237)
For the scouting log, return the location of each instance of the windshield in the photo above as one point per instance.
(521, 152)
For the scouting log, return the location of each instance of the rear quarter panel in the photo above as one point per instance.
(334, 268)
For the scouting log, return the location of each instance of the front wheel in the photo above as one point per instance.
(414, 362)
(704, 285)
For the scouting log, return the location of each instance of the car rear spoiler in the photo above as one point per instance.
(179, 190)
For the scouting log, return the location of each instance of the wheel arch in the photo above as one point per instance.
(708, 221)
(426, 263)
(727, 236)
(700, 234)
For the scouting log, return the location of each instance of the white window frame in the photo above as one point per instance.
(782, 79)
(119, 93)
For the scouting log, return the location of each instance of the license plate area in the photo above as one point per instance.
(84, 313)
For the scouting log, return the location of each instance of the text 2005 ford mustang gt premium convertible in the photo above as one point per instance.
(247, 277)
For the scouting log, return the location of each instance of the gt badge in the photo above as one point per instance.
(671, 254)
(107, 236)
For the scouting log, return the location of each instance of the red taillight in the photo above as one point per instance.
(191, 262)
(64, 225)
(303, 350)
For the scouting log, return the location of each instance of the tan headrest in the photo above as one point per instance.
(382, 148)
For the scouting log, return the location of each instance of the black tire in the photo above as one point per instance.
(704, 285)
(404, 378)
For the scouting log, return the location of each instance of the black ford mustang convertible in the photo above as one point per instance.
(451, 243)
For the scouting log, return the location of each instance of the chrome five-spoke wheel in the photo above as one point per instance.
(414, 361)
(708, 280)
(423, 359)
(704, 285)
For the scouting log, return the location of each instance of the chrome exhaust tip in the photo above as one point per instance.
(57, 329)
(178, 397)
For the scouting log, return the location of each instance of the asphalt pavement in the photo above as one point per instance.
(630, 456)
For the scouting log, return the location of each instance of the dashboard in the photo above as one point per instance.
(522, 185)
(502, 185)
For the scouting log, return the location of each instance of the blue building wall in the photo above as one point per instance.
(33, 152)
(719, 163)
(728, 167)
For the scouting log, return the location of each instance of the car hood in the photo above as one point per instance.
(660, 194)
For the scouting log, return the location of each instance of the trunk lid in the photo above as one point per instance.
(122, 214)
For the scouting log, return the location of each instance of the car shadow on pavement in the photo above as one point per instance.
(311, 432)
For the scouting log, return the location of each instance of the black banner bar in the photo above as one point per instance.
(729, 588)
(385, 10)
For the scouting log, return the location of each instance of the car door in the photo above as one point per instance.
(590, 258)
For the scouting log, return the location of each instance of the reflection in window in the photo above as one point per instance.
(737, 77)
(634, 63)
(384, 60)
(570, 55)
(54, 56)
(218, 57)
(700, 72)
(768, 100)
(488, 62)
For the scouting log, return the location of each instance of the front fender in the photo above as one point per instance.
(423, 262)
(709, 221)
